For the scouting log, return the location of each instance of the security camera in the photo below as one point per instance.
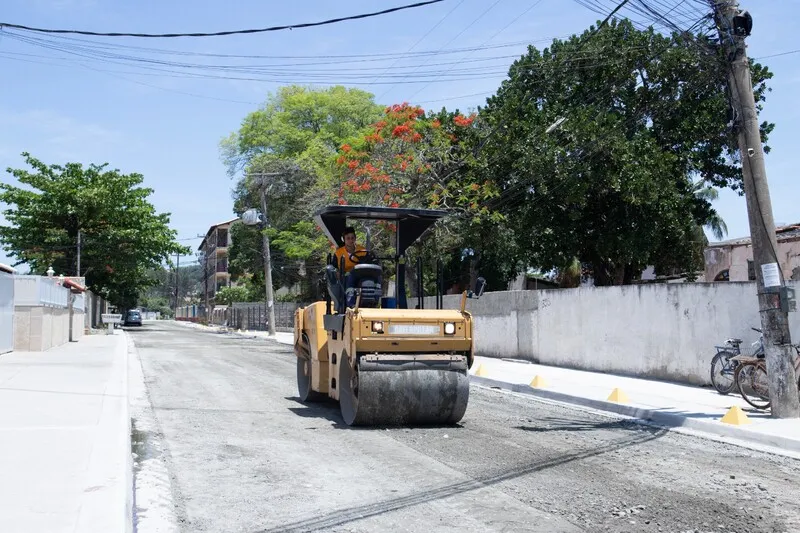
(751, 152)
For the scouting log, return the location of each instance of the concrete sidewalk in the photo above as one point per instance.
(65, 455)
(682, 407)
(685, 408)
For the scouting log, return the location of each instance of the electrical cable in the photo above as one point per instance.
(454, 38)
(426, 34)
(504, 28)
(222, 33)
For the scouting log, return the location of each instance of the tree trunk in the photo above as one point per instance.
(603, 273)
(631, 272)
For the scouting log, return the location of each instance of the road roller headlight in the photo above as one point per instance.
(449, 328)
(377, 327)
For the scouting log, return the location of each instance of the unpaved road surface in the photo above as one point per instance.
(243, 454)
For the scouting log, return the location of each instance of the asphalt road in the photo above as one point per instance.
(243, 454)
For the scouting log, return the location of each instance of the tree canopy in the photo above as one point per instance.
(598, 155)
(122, 235)
(293, 139)
(613, 184)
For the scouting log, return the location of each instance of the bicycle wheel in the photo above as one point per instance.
(722, 372)
(760, 385)
(744, 382)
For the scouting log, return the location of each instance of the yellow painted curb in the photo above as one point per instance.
(481, 372)
(735, 416)
(538, 382)
(618, 396)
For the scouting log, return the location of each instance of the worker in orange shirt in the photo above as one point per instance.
(350, 247)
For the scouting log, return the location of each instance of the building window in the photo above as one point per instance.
(751, 270)
(222, 238)
(723, 276)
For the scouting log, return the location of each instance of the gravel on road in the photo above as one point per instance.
(244, 454)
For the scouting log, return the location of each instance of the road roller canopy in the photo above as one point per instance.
(412, 224)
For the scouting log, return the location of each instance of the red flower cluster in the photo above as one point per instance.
(463, 121)
(401, 130)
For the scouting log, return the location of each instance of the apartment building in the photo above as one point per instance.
(214, 258)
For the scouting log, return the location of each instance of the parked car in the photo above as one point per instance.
(133, 318)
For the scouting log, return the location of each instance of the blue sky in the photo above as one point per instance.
(168, 128)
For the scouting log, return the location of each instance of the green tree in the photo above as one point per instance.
(122, 235)
(413, 159)
(162, 285)
(229, 295)
(293, 138)
(613, 185)
(714, 222)
(301, 124)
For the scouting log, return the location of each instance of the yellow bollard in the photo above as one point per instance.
(735, 416)
(538, 382)
(618, 396)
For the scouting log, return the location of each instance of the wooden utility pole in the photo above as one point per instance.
(734, 26)
(177, 280)
(262, 186)
(78, 266)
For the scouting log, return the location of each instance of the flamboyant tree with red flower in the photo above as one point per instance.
(411, 159)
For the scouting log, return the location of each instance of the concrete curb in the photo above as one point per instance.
(654, 416)
(109, 506)
(129, 486)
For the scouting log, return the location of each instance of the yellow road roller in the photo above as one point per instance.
(385, 363)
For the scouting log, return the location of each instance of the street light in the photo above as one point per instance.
(554, 126)
(252, 217)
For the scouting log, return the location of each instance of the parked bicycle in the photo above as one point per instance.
(752, 381)
(726, 363)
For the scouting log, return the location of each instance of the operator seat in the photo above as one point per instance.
(368, 279)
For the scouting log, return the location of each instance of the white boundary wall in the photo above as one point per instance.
(6, 312)
(663, 331)
(41, 314)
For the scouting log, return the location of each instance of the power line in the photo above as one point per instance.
(426, 34)
(222, 33)
(87, 43)
(454, 38)
(530, 8)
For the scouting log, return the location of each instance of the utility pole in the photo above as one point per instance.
(78, 269)
(734, 26)
(267, 256)
(177, 280)
(206, 275)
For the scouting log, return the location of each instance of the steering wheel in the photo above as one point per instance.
(363, 256)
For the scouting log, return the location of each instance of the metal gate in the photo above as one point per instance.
(6, 312)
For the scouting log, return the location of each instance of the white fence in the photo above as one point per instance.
(37, 291)
(6, 312)
(79, 303)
